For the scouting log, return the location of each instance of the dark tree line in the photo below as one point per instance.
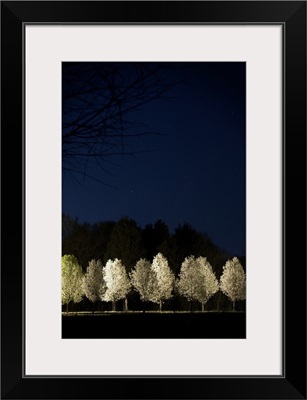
(125, 240)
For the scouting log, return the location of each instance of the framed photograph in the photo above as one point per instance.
(158, 204)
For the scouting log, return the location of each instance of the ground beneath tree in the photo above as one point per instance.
(208, 325)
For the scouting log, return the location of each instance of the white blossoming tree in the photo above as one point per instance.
(189, 282)
(233, 281)
(208, 284)
(94, 286)
(165, 280)
(117, 282)
(197, 280)
(144, 280)
(72, 278)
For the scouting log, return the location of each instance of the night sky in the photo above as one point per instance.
(193, 171)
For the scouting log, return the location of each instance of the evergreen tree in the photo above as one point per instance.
(155, 238)
(125, 243)
(78, 243)
(100, 236)
(187, 241)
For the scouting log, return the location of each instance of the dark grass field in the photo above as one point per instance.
(208, 325)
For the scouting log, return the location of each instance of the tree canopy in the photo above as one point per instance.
(125, 243)
(72, 280)
(165, 279)
(93, 284)
(117, 282)
(233, 281)
(144, 280)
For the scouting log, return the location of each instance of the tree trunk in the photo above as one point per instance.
(93, 309)
(233, 306)
(160, 304)
(67, 307)
(202, 307)
(113, 305)
(125, 304)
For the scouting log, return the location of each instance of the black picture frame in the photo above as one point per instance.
(292, 16)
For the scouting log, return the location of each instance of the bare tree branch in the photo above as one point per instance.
(99, 102)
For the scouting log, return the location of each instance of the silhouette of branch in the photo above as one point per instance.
(99, 103)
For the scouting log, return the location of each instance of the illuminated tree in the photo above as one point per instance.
(233, 281)
(208, 284)
(197, 280)
(117, 282)
(189, 280)
(72, 279)
(165, 280)
(144, 280)
(93, 283)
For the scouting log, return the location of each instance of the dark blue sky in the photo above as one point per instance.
(195, 169)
